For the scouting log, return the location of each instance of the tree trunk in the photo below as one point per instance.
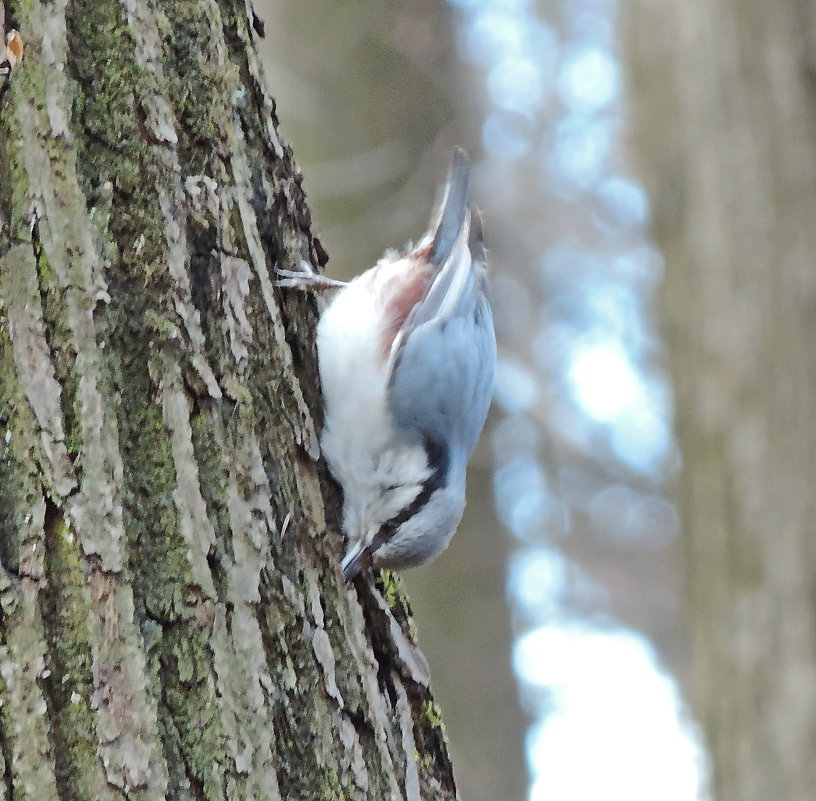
(173, 623)
(724, 104)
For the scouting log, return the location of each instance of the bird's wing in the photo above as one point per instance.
(444, 356)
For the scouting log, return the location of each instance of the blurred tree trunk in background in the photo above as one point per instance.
(172, 619)
(725, 111)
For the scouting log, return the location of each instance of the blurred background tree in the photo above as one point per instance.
(723, 99)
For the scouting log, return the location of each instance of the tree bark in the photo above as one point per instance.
(173, 622)
(726, 128)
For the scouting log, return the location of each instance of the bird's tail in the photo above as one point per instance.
(450, 217)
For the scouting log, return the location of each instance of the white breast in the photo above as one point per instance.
(357, 439)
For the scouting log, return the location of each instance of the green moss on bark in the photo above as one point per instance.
(69, 685)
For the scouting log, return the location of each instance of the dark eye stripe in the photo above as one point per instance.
(388, 529)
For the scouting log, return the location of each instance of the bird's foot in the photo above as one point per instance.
(306, 279)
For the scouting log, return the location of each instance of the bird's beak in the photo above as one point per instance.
(356, 560)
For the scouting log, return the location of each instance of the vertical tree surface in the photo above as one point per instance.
(723, 97)
(173, 623)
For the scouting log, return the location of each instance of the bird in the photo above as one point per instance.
(406, 357)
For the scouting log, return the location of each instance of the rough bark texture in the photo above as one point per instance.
(173, 623)
(724, 102)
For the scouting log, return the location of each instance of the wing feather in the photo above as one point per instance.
(444, 356)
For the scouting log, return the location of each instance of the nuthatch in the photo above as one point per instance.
(406, 354)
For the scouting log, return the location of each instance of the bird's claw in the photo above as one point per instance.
(305, 278)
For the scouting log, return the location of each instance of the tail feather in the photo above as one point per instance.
(476, 238)
(450, 218)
